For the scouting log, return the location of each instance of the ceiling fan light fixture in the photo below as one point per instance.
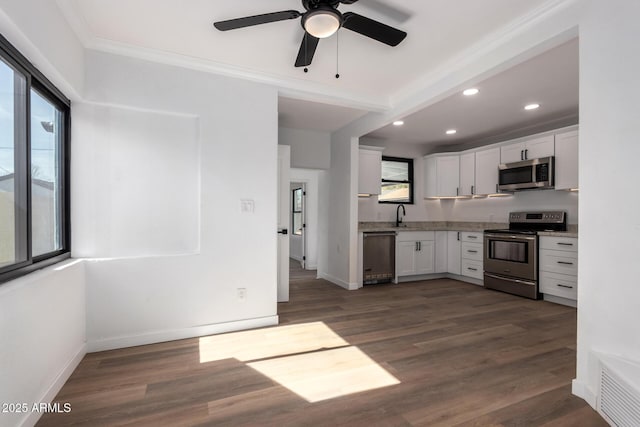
(322, 22)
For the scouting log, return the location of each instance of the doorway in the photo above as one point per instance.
(297, 240)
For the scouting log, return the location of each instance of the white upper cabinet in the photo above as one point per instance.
(370, 171)
(467, 174)
(487, 162)
(442, 175)
(567, 160)
(529, 149)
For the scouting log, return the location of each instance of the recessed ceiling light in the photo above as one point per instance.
(451, 132)
(532, 106)
(398, 123)
(470, 92)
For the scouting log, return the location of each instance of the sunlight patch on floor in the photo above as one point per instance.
(326, 374)
(309, 359)
(270, 342)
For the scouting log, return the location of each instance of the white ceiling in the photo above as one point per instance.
(372, 75)
(550, 79)
(298, 114)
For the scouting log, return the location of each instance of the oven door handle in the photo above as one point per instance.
(509, 236)
(524, 282)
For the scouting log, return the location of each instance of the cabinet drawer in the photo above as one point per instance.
(560, 285)
(470, 236)
(472, 251)
(472, 268)
(415, 236)
(559, 262)
(568, 244)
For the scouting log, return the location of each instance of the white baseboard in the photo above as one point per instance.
(178, 334)
(583, 391)
(50, 393)
(339, 282)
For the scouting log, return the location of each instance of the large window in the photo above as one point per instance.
(34, 143)
(397, 180)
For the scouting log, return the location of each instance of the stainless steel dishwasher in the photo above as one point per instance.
(379, 257)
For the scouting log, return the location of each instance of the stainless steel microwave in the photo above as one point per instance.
(526, 175)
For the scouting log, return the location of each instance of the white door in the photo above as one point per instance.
(284, 159)
(512, 153)
(467, 174)
(448, 176)
(487, 162)
(540, 147)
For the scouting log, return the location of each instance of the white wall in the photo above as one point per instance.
(42, 315)
(608, 291)
(141, 196)
(40, 32)
(342, 228)
(309, 149)
(151, 298)
(42, 336)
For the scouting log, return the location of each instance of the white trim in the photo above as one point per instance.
(339, 282)
(178, 334)
(51, 392)
(582, 390)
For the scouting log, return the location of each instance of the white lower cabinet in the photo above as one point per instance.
(559, 267)
(472, 255)
(453, 252)
(415, 253)
(429, 252)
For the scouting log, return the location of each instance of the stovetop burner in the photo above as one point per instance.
(532, 222)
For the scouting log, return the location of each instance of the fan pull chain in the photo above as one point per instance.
(337, 55)
(306, 55)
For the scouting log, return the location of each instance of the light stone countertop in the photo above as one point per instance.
(366, 227)
(430, 226)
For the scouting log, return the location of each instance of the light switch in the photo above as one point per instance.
(247, 206)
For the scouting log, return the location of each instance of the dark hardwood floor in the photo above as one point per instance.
(433, 353)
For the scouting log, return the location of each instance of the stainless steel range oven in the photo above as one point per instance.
(511, 255)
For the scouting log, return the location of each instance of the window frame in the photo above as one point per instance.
(410, 181)
(35, 80)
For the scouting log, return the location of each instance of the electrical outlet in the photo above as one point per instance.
(242, 294)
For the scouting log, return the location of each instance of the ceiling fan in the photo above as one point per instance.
(321, 19)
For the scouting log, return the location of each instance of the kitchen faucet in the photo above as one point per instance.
(398, 218)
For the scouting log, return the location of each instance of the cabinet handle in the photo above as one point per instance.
(458, 236)
(564, 244)
(472, 237)
(565, 263)
(472, 252)
(565, 286)
(497, 189)
(521, 154)
(473, 189)
(457, 191)
(416, 246)
(526, 154)
(420, 246)
(472, 269)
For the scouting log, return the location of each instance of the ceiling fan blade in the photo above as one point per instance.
(249, 21)
(348, 1)
(307, 50)
(373, 29)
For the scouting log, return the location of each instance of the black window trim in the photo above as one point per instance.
(410, 181)
(34, 79)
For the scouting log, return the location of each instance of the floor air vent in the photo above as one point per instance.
(619, 401)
